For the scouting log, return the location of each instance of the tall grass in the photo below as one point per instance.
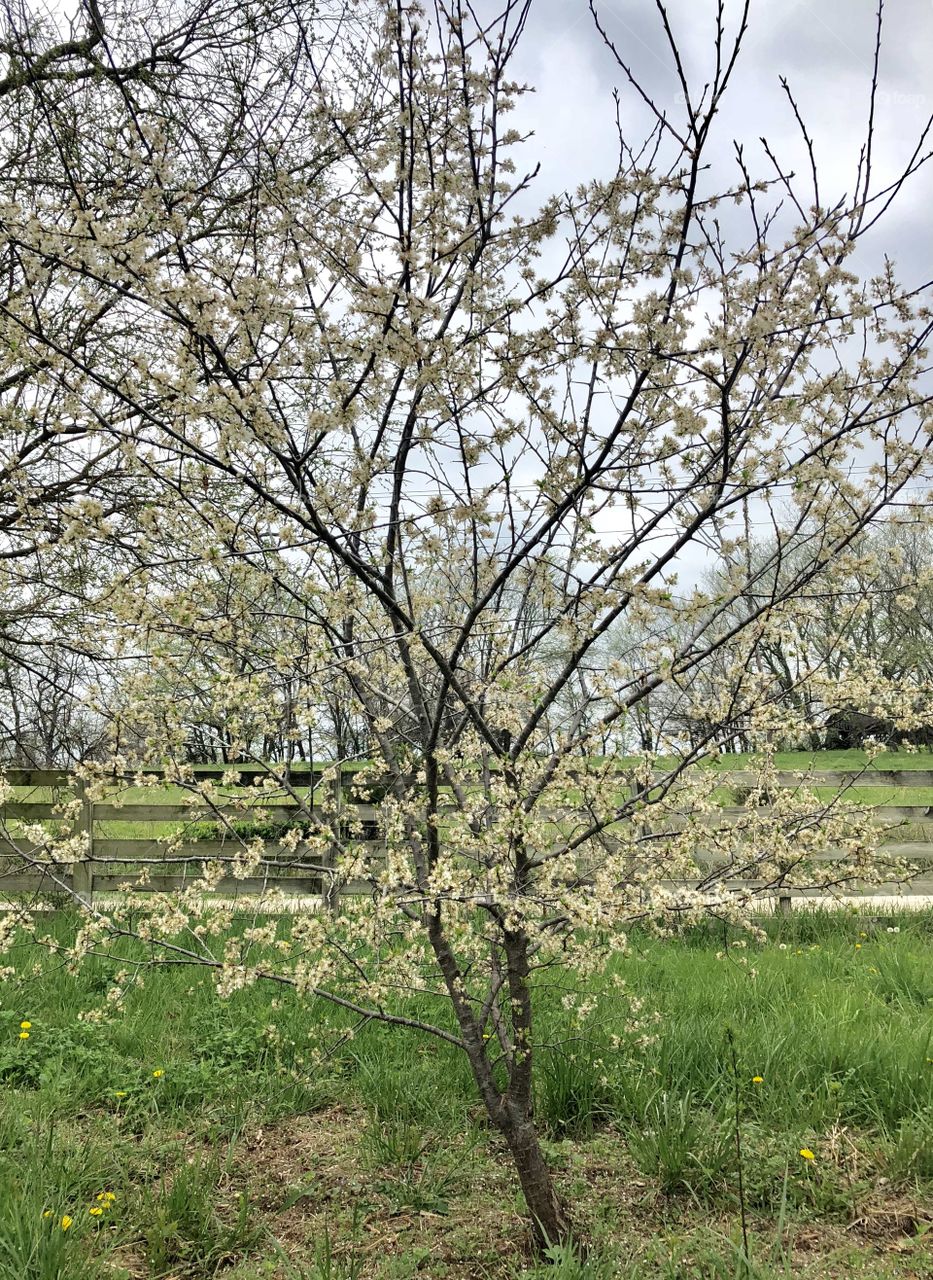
(832, 1023)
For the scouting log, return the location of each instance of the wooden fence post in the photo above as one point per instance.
(331, 894)
(82, 873)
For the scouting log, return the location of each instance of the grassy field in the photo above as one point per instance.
(247, 1139)
(842, 760)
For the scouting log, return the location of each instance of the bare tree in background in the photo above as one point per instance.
(59, 469)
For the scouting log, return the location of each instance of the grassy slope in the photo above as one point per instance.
(247, 1151)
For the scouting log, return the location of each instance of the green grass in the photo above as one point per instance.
(876, 795)
(268, 1146)
(843, 761)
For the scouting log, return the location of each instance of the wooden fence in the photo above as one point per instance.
(113, 864)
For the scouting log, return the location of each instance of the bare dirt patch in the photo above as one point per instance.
(310, 1178)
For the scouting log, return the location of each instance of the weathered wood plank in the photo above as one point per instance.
(226, 887)
(200, 812)
(30, 882)
(272, 812)
(36, 777)
(200, 850)
(829, 777)
(298, 774)
(304, 774)
(304, 885)
(28, 810)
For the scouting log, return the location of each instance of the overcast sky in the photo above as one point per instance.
(823, 47)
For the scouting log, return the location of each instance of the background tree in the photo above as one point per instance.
(857, 623)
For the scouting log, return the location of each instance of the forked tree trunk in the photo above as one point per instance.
(510, 1110)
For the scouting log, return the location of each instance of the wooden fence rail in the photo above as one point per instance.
(114, 863)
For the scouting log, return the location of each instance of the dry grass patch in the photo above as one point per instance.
(315, 1178)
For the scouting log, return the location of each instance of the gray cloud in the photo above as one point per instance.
(824, 48)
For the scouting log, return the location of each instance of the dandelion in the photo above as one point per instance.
(157, 1075)
(119, 1093)
(25, 1025)
(24, 1035)
(807, 1153)
(858, 946)
(758, 1079)
(67, 1220)
(47, 1214)
(106, 1197)
(95, 1211)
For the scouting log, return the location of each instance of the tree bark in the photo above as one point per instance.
(550, 1222)
(510, 1114)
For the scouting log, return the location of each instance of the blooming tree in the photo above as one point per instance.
(414, 440)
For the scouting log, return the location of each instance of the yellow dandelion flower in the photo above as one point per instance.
(758, 1079)
(66, 1221)
(25, 1025)
(95, 1211)
(47, 1214)
(858, 946)
(106, 1197)
(807, 1153)
(24, 1035)
(120, 1093)
(157, 1075)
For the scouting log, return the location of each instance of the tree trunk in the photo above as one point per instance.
(511, 1115)
(550, 1221)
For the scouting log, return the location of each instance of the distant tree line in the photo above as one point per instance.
(878, 617)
